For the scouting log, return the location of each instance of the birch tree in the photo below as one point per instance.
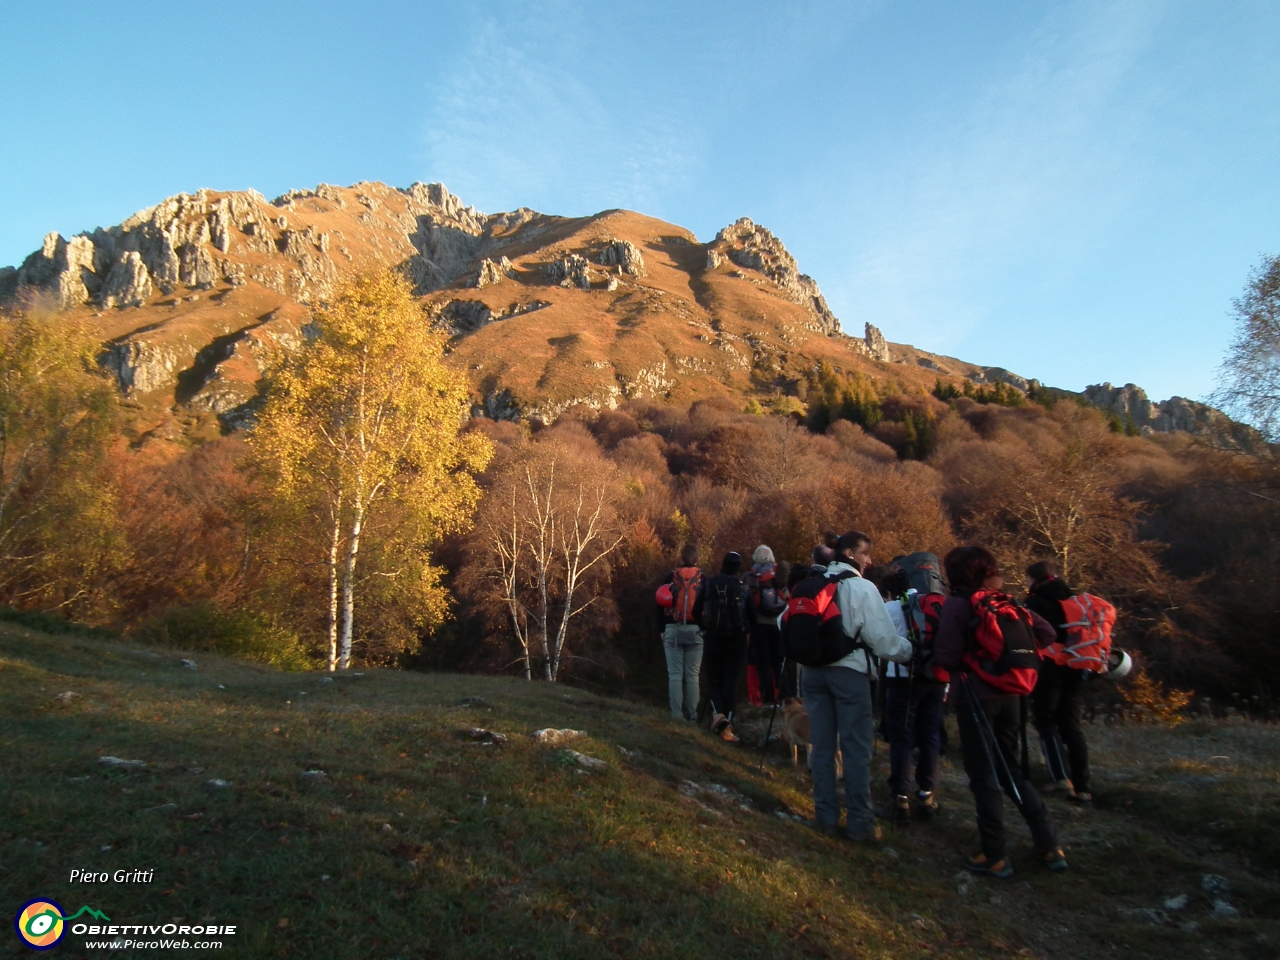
(542, 553)
(1249, 381)
(364, 424)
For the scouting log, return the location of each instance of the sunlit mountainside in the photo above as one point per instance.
(193, 296)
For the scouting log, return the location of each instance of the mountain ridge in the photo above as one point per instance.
(194, 295)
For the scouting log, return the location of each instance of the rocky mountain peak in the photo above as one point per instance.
(754, 247)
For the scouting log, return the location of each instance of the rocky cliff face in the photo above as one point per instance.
(1131, 406)
(752, 246)
(199, 241)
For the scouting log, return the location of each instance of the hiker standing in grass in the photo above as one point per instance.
(988, 715)
(838, 698)
(913, 697)
(680, 603)
(1056, 700)
(765, 652)
(727, 612)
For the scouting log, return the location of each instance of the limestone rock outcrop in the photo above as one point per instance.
(127, 284)
(1131, 405)
(877, 346)
(752, 246)
(571, 271)
(623, 254)
(141, 366)
(464, 316)
(201, 240)
(491, 271)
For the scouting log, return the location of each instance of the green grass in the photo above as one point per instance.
(419, 842)
(1216, 781)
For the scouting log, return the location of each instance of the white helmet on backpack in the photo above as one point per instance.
(1119, 664)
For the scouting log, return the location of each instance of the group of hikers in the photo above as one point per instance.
(841, 635)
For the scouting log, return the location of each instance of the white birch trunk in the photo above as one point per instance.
(349, 585)
(334, 549)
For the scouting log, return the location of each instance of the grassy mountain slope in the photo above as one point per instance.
(420, 841)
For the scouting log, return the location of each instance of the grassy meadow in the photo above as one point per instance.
(359, 816)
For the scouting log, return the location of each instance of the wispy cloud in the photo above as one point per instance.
(521, 122)
(1037, 157)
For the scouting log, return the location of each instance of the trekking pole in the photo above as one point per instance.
(877, 704)
(772, 714)
(768, 733)
(1026, 754)
(990, 743)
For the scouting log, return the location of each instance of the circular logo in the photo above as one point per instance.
(40, 924)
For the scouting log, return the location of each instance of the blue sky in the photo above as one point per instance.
(1073, 190)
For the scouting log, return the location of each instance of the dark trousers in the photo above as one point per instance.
(1056, 703)
(766, 654)
(1004, 714)
(721, 661)
(913, 720)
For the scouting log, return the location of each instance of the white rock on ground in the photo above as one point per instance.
(120, 764)
(552, 735)
(582, 760)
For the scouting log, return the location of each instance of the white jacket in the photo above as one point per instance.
(861, 608)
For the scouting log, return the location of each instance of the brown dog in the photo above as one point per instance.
(795, 727)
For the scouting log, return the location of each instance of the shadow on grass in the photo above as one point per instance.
(414, 842)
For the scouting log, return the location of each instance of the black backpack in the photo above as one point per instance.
(724, 608)
(813, 630)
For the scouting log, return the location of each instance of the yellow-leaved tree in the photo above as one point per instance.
(58, 535)
(361, 436)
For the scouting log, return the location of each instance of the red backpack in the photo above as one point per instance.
(922, 612)
(685, 583)
(1002, 643)
(813, 634)
(1088, 628)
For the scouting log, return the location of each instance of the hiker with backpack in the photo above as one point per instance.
(834, 624)
(914, 592)
(680, 600)
(764, 669)
(727, 612)
(991, 646)
(1081, 647)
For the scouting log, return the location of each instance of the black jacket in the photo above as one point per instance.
(734, 583)
(1046, 599)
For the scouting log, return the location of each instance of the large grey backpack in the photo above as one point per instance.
(925, 573)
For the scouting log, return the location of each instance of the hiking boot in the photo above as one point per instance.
(727, 735)
(1084, 799)
(872, 835)
(1054, 859)
(926, 805)
(1001, 869)
(718, 722)
(1061, 786)
(829, 830)
(897, 810)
